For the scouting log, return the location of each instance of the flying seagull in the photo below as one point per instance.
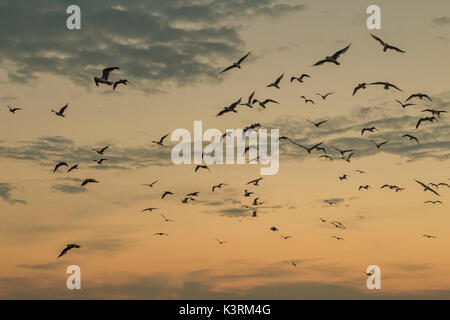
(67, 248)
(149, 209)
(427, 188)
(220, 242)
(371, 129)
(59, 164)
(386, 46)
(88, 180)
(236, 64)
(307, 100)
(386, 85)
(186, 199)
(104, 77)
(262, 104)
(201, 167)
(404, 105)
(362, 85)
(160, 142)
(343, 177)
(435, 112)
(410, 137)
(219, 186)
(300, 78)
(433, 202)
(274, 229)
(325, 156)
(392, 187)
(160, 234)
(342, 152)
(276, 83)
(317, 124)
(285, 237)
(151, 184)
(324, 96)
(360, 171)
(255, 182)
(61, 111)
(13, 110)
(100, 161)
(333, 58)
(431, 119)
(101, 150)
(74, 167)
(309, 150)
(230, 108)
(348, 157)
(428, 236)
(165, 194)
(379, 145)
(337, 238)
(121, 81)
(247, 193)
(366, 187)
(256, 202)
(249, 101)
(193, 194)
(166, 219)
(338, 224)
(418, 95)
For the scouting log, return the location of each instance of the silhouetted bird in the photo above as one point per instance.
(387, 46)
(59, 164)
(333, 58)
(68, 247)
(105, 76)
(418, 95)
(236, 64)
(61, 111)
(88, 180)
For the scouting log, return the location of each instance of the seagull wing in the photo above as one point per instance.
(338, 53)
(163, 137)
(394, 86)
(378, 39)
(243, 58)
(395, 48)
(228, 68)
(318, 63)
(107, 71)
(411, 96)
(63, 108)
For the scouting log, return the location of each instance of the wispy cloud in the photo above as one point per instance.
(5, 194)
(180, 43)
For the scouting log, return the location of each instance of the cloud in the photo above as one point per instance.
(68, 188)
(154, 43)
(344, 132)
(5, 194)
(45, 266)
(47, 151)
(441, 21)
(157, 286)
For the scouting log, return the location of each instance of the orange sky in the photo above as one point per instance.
(120, 258)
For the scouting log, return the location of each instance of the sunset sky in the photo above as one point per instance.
(172, 53)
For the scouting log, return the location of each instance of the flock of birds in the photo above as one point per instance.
(345, 154)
